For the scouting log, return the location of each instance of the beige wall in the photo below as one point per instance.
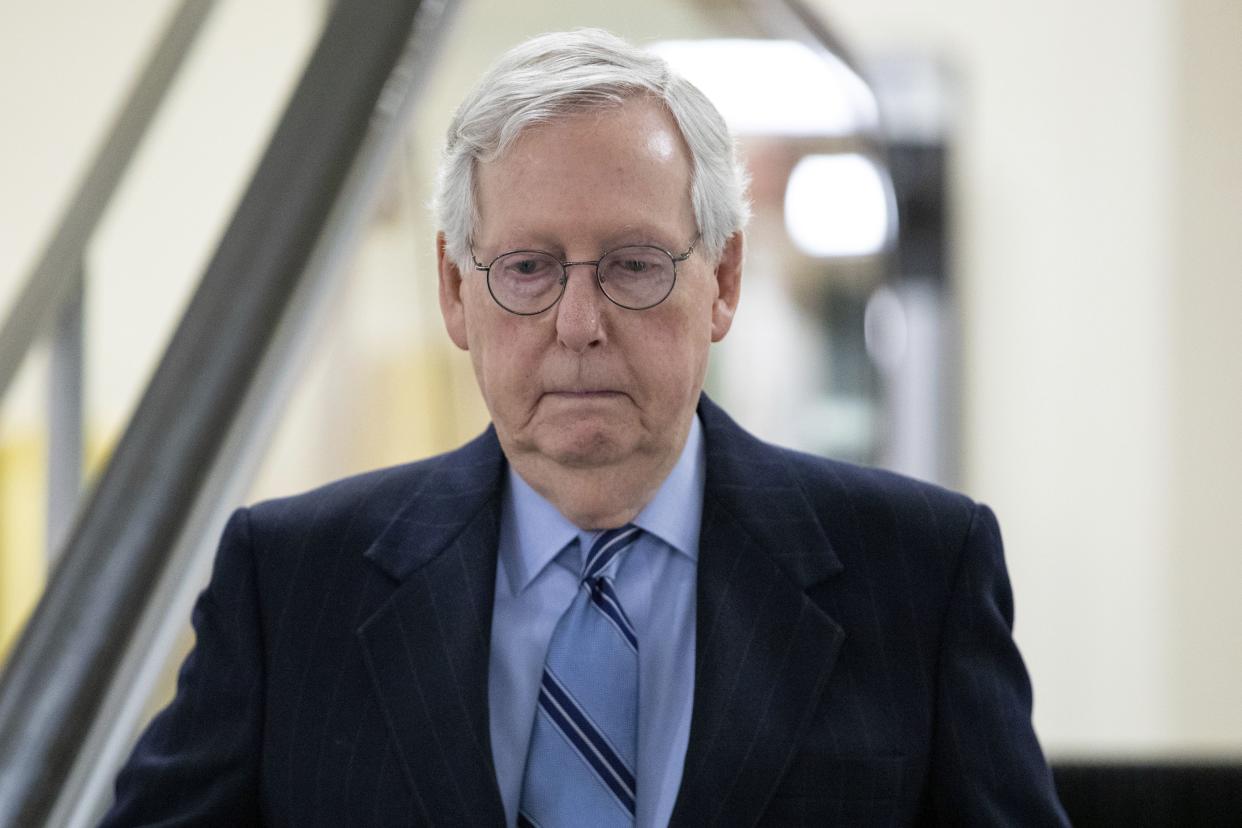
(1206, 550)
(1097, 190)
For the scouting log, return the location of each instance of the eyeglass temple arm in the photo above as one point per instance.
(686, 255)
(477, 264)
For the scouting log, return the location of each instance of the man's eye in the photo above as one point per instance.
(634, 265)
(526, 267)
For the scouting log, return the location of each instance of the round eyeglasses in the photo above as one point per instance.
(529, 282)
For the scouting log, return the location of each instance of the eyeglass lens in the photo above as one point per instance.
(528, 281)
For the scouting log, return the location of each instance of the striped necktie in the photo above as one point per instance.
(581, 764)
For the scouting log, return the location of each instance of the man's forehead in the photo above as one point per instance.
(645, 124)
(663, 144)
(621, 174)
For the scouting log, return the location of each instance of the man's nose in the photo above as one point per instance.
(579, 314)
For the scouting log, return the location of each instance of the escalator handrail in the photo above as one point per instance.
(62, 664)
(53, 277)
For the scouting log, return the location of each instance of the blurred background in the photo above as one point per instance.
(995, 245)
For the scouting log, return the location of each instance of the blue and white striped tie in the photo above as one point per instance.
(580, 768)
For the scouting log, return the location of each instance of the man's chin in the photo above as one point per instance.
(584, 446)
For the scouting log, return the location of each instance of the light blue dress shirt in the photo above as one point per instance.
(656, 584)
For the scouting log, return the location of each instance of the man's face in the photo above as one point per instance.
(588, 383)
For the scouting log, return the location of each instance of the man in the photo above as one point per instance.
(615, 607)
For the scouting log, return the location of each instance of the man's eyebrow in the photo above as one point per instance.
(549, 243)
(633, 237)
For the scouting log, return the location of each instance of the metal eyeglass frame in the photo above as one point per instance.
(487, 268)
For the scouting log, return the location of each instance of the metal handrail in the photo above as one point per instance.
(87, 792)
(59, 267)
(63, 664)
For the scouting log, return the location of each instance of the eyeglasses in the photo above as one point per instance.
(636, 277)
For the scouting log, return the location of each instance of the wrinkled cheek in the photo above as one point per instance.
(508, 384)
(477, 361)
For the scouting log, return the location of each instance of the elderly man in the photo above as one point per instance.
(615, 607)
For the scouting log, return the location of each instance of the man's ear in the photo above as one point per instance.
(452, 308)
(728, 286)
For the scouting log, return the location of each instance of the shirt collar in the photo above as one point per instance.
(676, 511)
(533, 532)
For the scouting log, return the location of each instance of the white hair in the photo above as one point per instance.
(563, 73)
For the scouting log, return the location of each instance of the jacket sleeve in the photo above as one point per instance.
(986, 765)
(198, 761)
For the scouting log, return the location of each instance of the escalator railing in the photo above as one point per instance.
(208, 402)
(52, 278)
(51, 298)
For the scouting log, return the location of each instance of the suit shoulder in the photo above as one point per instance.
(874, 499)
(370, 500)
(873, 482)
(344, 496)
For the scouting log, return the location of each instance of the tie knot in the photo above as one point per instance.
(605, 549)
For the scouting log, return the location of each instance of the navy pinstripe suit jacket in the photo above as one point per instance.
(854, 660)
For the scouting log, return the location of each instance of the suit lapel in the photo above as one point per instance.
(764, 650)
(427, 646)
